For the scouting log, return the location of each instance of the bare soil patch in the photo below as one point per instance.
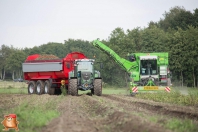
(92, 113)
(8, 101)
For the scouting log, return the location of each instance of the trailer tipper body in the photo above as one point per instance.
(147, 71)
(46, 74)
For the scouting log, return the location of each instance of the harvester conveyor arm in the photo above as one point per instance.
(123, 63)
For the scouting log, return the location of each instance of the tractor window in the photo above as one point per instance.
(85, 66)
(148, 67)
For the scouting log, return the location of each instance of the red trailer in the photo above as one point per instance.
(44, 76)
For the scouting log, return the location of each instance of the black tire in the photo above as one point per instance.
(32, 87)
(48, 89)
(40, 87)
(72, 89)
(133, 94)
(98, 87)
(147, 80)
(92, 91)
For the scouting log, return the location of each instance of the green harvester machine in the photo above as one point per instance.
(147, 72)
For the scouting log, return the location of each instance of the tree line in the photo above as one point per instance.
(176, 33)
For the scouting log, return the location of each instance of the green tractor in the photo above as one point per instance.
(84, 77)
(147, 71)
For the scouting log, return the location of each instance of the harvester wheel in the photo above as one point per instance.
(72, 89)
(133, 94)
(40, 87)
(32, 87)
(146, 80)
(48, 89)
(98, 87)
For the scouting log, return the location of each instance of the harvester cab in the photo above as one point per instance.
(85, 77)
(152, 69)
(148, 70)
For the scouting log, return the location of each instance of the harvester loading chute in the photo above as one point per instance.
(148, 71)
(123, 63)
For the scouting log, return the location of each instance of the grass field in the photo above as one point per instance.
(13, 91)
(44, 113)
(176, 96)
(24, 91)
(21, 88)
(11, 84)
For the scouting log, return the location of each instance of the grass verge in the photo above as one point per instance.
(181, 125)
(25, 91)
(172, 123)
(122, 91)
(13, 91)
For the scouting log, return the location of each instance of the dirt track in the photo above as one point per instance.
(107, 113)
(115, 113)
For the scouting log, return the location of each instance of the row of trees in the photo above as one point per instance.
(176, 33)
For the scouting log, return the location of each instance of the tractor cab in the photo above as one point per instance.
(84, 70)
(84, 77)
(85, 74)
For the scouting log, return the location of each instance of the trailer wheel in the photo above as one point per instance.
(72, 89)
(48, 89)
(98, 87)
(39, 87)
(32, 87)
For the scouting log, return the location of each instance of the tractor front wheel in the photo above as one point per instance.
(98, 87)
(72, 88)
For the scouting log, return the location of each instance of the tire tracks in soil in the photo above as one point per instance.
(111, 117)
(116, 113)
(71, 119)
(160, 108)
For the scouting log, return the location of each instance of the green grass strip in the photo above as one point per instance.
(13, 91)
(174, 124)
(32, 116)
(181, 126)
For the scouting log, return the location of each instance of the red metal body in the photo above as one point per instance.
(56, 76)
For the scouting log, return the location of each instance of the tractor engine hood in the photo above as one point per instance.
(86, 75)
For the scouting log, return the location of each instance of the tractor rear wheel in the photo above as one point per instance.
(72, 88)
(48, 89)
(32, 87)
(98, 87)
(40, 87)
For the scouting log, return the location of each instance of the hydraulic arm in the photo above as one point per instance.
(123, 63)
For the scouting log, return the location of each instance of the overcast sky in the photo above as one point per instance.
(29, 23)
